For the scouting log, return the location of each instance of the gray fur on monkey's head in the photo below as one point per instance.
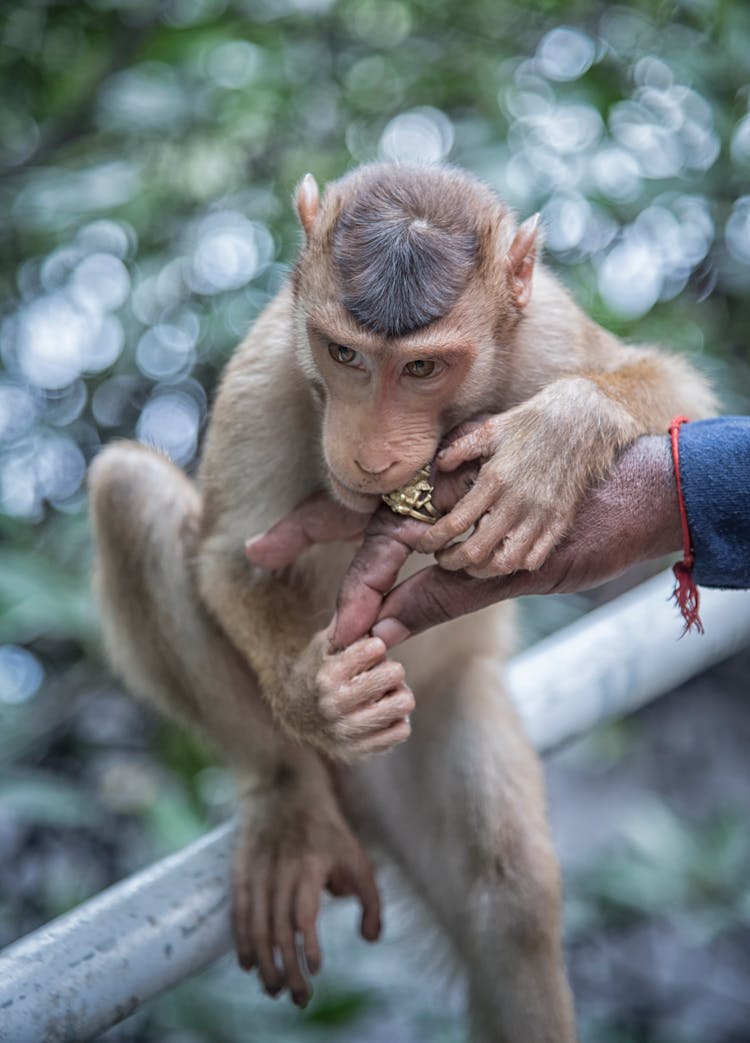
(396, 247)
(404, 247)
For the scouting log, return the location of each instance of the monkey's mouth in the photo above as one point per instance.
(354, 499)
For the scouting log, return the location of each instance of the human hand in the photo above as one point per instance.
(318, 519)
(539, 460)
(631, 516)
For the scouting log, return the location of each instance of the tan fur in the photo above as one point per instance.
(244, 656)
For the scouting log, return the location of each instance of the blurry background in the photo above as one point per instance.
(148, 152)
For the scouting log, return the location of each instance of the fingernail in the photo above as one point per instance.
(374, 935)
(390, 631)
(300, 999)
(331, 633)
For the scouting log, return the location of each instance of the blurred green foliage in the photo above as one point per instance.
(148, 152)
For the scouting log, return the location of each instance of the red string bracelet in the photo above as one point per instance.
(685, 591)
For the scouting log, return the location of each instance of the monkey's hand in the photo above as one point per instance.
(349, 703)
(289, 849)
(539, 461)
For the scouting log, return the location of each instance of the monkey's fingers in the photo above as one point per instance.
(354, 875)
(462, 518)
(242, 910)
(382, 741)
(362, 691)
(316, 520)
(464, 428)
(340, 668)
(526, 547)
(262, 934)
(284, 931)
(364, 728)
(306, 909)
(480, 440)
(478, 549)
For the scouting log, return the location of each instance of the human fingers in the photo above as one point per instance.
(372, 572)
(318, 519)
(435, 596)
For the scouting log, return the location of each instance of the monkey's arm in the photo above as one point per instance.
(262, 456)
(542, 456)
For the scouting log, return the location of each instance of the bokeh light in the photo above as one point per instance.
(21, 675)
(422, 135)
(170, 422)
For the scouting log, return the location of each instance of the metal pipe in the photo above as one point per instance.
(94, 966)
(619, 657)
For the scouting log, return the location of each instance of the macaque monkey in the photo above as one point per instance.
(416, 303)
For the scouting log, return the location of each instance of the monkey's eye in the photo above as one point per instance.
(420, 368)
(340, 353)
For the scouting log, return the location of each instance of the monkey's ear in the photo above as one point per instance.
(520, 260)
(308, 196)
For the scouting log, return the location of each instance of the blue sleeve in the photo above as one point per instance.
(715, 472)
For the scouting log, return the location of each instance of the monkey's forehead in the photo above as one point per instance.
(327, 318)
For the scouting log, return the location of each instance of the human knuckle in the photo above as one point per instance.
(437, 603)
(395, 672)
(501, 558)
(474, 553)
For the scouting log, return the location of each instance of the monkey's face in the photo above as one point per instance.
(388, 403)
(402, 292)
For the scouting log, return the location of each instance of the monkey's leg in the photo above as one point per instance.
(293, 838)
(461, 807)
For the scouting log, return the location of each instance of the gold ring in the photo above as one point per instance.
(415, 498)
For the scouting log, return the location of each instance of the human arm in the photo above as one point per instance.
(630, 516)
(715, 470)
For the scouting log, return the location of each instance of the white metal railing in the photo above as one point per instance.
(92, 967)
